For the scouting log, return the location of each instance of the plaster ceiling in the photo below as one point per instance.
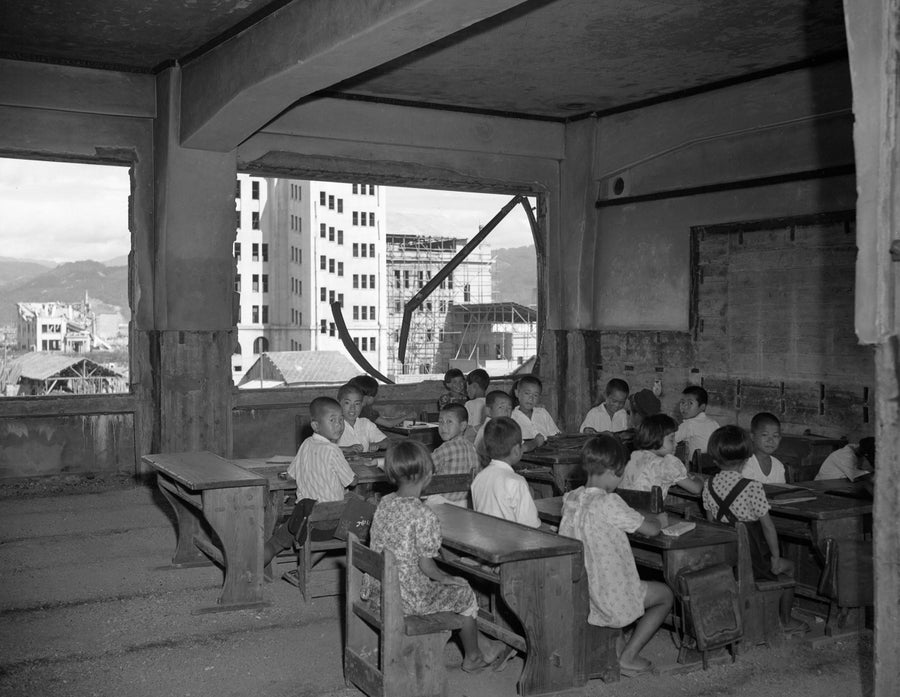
(545, 58)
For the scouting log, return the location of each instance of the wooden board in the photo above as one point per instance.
(202, 470)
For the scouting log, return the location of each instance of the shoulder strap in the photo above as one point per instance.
(724, 513)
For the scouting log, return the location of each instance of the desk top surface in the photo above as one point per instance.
(271, 468)
(828, 500)
(202, 470)
(550, 511)
(495, 540)
(418, 427)
(565, 448)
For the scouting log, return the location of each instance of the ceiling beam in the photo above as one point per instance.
(236, 88)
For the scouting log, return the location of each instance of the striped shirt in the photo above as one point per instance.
(455, 456)
(321, 471)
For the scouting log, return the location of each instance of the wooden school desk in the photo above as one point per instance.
(203, 486)
(538, 574)
(562, 454)
(426, 433)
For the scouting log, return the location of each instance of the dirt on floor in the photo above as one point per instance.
(88, 607)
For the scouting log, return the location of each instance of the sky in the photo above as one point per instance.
(59, 212)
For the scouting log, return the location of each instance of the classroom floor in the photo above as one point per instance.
(86, 611)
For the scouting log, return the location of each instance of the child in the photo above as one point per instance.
(360, 434)
(456, 455)
(697, 426)
(851, 461)
(653, 462)
(643, 404)
(369, 388)
(478, 381)
(729, 497)
(320, 470)
(536, 423)
(497, 490)
(412, 532)
(610, 414)
(496, 404)
(600, 518)
(455, 382)
(762, 466)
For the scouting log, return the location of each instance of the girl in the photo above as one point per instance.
(411, 530)
(653, 462)
(729, 497)
(599, 518)
(536, 423)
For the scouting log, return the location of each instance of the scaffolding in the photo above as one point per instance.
(501, 331)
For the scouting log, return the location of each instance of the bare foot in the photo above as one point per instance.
(631, 667)
(474, 664)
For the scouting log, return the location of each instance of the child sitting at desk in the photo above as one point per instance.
(762, 465)
(456, 455)
(536, 423)
(497, 490)
(478, 381)
(696, 427)
(653, 462)
(599, 518)
(850, 462)
(497, 403)
(455, 382)
(369, 388)
(360, 434)
(729, 497)
(321, 473)
(412, 532)
(610, 415)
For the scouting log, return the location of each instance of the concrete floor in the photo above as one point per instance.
(86, 611)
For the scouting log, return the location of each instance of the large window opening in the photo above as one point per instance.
(64, 310)
(367, 251)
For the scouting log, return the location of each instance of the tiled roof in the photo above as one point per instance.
(40, 365)
(296, 367)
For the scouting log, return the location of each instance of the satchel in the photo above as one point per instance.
(712, 611)
(356, 518)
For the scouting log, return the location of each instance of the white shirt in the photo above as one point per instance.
(844, 462)
(479, 443)
(500, 492)
(540, 422)
(751, 470)
(320, 469)
(696, 433)
(363, 432)
(600, 420)
(475, 408)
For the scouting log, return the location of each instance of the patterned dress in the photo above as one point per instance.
(410, 529)
(646, 469)
(751, 504)
(600, 520)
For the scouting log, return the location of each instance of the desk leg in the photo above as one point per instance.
(543, 595)
(188, 527)
(274, 511)
(237, 516)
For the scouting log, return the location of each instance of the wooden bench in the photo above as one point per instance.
(203, 486)
(644, 501)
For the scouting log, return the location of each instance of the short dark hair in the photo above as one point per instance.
(479, 377)
(453, 373)
(456, 408)
(617, 384)
(867, 449)
(501, 435)
(367, 384)
(729, 446)
(527, 379)
(407, 461)
(764, 418)
(319, 405)
(493, 396)
(653, 431)
(349, 388)
(701, 395)
(603, 453)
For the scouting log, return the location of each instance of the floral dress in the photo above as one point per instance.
(600, 520)
(646, 469)
(410, 529)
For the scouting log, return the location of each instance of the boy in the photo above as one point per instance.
(478, 381)
(360, 434)
(697, 427)
(369, 388)
(851, 461)
(610, 415)
(320, 470)
(765, 433)
(496, 404)
(497, 490)
(455, 382)
(456, 455)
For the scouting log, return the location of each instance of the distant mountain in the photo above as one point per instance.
(515, 275)
(67, 283)
(14, 271)
(117, 261)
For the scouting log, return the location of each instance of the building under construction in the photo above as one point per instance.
(412, 260)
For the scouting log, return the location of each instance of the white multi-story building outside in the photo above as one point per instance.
(412, 261)
(300, 246)
(55, 326)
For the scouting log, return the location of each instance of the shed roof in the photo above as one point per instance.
(296, 367)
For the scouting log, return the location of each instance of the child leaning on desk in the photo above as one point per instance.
(610, 414)
(412, 532)
(600, 518)
(730, 497)
(653, 462)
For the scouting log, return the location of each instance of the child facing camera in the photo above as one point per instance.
(762, 465)
(455, 382)
(536, 423)
(412, 532)
(653, 462)
(600, 518)
(610, 415)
